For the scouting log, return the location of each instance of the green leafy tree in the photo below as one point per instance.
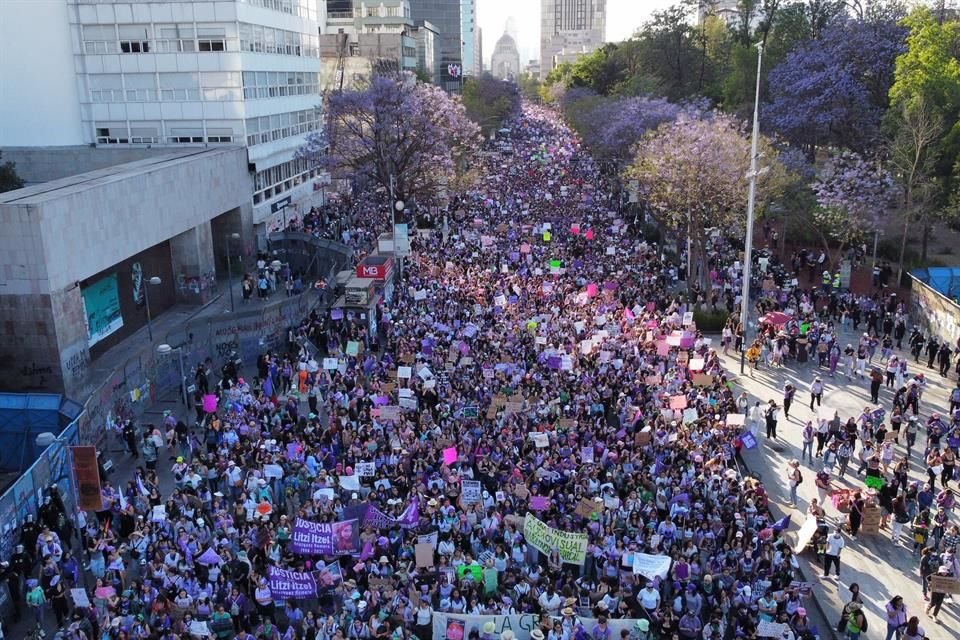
(926, 89)
(9, 180)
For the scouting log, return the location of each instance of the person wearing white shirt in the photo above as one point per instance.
(649, 599)
(550, 601)
(835, 544)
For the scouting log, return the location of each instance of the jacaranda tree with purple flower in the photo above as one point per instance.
(833, 91)
(853, 196)
(692, 174)
(412, 133)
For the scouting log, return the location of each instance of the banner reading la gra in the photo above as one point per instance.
(325, 538)
(572, 546)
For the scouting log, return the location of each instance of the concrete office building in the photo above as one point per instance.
(568, 29)
(444, 15)
(171, 73)
(365, 36)
(505, 63)
(79, 253)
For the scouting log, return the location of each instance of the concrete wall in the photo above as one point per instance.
(39, 97)
(99, 223)
(43, 164)
(57, 235)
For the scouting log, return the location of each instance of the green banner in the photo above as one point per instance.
(571, 546)
(101, 300)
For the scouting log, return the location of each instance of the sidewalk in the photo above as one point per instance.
(881, 568)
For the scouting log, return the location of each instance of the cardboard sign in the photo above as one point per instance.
(587, 507)
(678, 402)
(567, 423)
(945, 584)
(499, 400)
(702, 380)
(642, 438)
(513, 407)
(871, 520)
(424, 553)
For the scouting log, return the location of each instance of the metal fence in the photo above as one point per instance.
(130, 389)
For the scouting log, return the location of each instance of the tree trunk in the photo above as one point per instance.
(925, 242)
(907, 206)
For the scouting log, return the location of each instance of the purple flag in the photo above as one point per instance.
(409, 519)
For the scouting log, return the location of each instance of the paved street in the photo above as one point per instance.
(881, 568)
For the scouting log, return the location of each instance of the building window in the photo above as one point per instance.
(281, 125)
(211, 39)
(112, 133)
(260, 39)
(134, 38)
(278, 179)
(272, 84)
(99, 38)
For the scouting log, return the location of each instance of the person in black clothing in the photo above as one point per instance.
(943, 357)
(916, 344)
(130, 435)
(932, 347)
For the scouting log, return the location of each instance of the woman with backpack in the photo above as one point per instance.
(856, 622)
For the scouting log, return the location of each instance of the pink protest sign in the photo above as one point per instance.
(589, 234)
(575, 229)
(591, 290)
(525, 248)
(209, 403)
(678, 402)
(539, 503)
(662, 348)
(450, 454)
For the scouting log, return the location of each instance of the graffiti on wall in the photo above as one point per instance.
(188, 284)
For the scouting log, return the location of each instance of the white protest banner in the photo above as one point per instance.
(330, 364)
(366, 469)
(540, 440)
(404, 372)
(651, 566)
(433, 539)
(471, 493)
(572, 546)
(448, 626)
(350, 483)
(272, 471)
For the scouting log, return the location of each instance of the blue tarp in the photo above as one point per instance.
(945, 280)
(24, 416)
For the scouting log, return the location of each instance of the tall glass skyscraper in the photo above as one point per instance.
(445, 15)
(569, 28)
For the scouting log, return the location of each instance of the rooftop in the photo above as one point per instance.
(55, 189)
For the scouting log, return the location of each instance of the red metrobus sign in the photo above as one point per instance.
(375, 271)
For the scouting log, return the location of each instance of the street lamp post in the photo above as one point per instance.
(229, 237)
(154, 281)
(398, 206)
(166, 348)
(751, 199)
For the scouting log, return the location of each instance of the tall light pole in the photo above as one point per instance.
(751, 199)
(398, 206)
(166, 348)
(155, 282)
(230, 237)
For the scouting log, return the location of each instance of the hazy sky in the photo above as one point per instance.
(623, 18)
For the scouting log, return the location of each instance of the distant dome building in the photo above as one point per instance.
(505, 63)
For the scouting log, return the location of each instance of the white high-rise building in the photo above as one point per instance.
(569, 29)
(468, 34)
(170, 73)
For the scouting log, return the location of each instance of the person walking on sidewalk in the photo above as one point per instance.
(770, 415)
(794, 479)
(896, 618)
(788, 392)
(831, 555)
(816, 392)
(807, 435)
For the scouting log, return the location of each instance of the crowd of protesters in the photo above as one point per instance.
(539, 349)
(835, 338)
